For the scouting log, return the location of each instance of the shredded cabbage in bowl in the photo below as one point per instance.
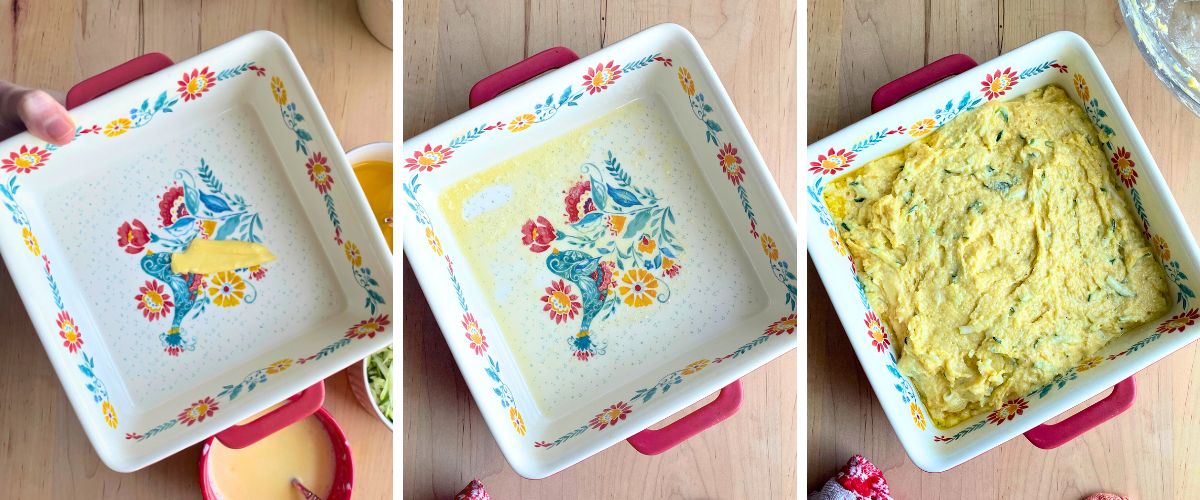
(379, 378)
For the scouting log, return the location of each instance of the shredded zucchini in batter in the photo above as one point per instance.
(998, 252)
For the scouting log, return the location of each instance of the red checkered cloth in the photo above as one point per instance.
(858, 480)
(473, 491)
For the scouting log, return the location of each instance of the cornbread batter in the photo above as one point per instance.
(998, 252)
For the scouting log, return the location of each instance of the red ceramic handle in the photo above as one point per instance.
(653, 442)
(297, 407)
(488, 88)
(1049, 436)
(107, 81)
(895, 90)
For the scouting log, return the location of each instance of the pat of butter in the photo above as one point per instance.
(214, 256)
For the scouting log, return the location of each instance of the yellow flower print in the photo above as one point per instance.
(922, 127)
(639, 287)
(837, 243)
(279, 366)
(694, 367)
(117, 127)
(521, 122)
(1159, 244)
(917, 415)
(30, 241)
(646, 245)
(1089, 364)
(769, 248)
(110, 414)
(278, 90)
(434, 243)
(227, 289)
(517, 421)
(686, 81)
(1081, 88)
(353, 255)
(616, 224)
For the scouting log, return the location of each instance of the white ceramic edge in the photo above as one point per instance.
(541, 468)
(135, 459)
(918, 449)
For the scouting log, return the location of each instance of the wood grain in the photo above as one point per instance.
(1147, 452)
(53, 44)
(451, 45)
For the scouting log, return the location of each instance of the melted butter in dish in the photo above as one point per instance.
(998, 252)
(657, 242)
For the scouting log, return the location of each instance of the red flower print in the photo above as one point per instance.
(258, 70)
(1179, 322)
(193, 85)
(996, 84)
(133, 236)
(670, 267)
(666, 61)
(832, 162)
(257, 273)
(942, 439)
(132, 435)
(94, 129)
(604, 276)
(785, 325)
(1009, 411)
(171, 206)
(199, 411)
(196, 283)
(1123, 165)
(579, 201)
(542, 444)
(319, 172)
(611, 415)
(1062, 68)
(153, 301)
(430, 158)
(69, 331)
(25, 160)
(538, 235)
(560, 302)
(879, 338)
(600, 77)
(731, 163)
(474, 334)
(368, 327)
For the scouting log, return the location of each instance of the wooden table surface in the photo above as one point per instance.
(448, 46)
(53, 44)
(1146, 452)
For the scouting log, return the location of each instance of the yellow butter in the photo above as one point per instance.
(214, 256)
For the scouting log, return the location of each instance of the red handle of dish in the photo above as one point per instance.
(1049, 436)
(119, 75)
(653, 442)
(297, 407)
(895, 90)
(491, 86)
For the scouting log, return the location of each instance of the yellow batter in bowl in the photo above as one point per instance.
(998, 252)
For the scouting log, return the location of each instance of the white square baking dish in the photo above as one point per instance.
(230, 144)
(714, 243)
(1060, 58)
